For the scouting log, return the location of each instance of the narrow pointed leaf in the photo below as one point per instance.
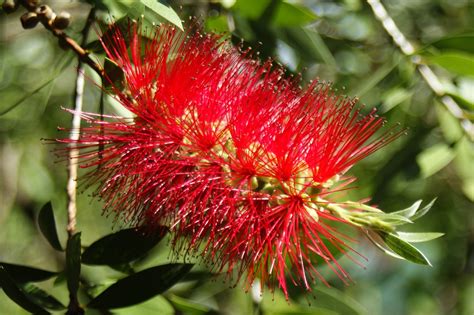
(42, 298)
(141, 286)
(410, 211)
(121, 247)
(463, 42)
(163, 11)
(22, 274)
(73, 263)
(12, 290)
(418, 237)
(47, 226)
(423, 211)
(404, 249)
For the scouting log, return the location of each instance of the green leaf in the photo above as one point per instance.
(164, 11)
(121, 247)
(435, 158)
(404, 249)
(292, 14)
(366, 85)
(42, 298)
(459, 42)
(464, 103)
(187, 306)
(73, 263)
(12, 290)
(26, 96)
(47, 226)
(421, 212)
(457, 62)
(418, 237)
(140, 286)
(251, 9)
(61, 64)
(315, 43)
(410, 211)
(22, 274)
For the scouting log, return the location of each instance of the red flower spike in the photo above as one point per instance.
(229, 154)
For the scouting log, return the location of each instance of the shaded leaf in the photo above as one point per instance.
(22, 274)
(47, 226)
(73, 263)
(94, 46)
(141, 286)
(17, 295)
(61, 64)
(26, 96)
(42, 297)
(164, 11)
(121, 247)
(404, 249)
(457, 62)
(114, 76)
(418, 237)
(366, 85)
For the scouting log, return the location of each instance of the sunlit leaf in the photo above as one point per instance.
(404, 249)
(140, 286)
(419, 237)
(457, 62)
(164, 11)
(421, 212)
(410, 211)
(458, 42)
(47, 226)
(121, 247)
(12, 290)
(435, 158)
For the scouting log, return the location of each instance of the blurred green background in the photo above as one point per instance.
(337, 41)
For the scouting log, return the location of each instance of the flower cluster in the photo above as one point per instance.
(231, 154)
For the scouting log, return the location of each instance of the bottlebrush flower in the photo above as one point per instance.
(238, 161)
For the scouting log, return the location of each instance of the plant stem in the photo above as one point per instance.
(426, 72)
(71, 188)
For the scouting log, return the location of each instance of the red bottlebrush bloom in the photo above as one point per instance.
(230, 154)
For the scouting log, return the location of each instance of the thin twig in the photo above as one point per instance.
(74, 134)
(74, 307)
(426, 72)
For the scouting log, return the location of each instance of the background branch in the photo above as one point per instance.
(426, 72)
